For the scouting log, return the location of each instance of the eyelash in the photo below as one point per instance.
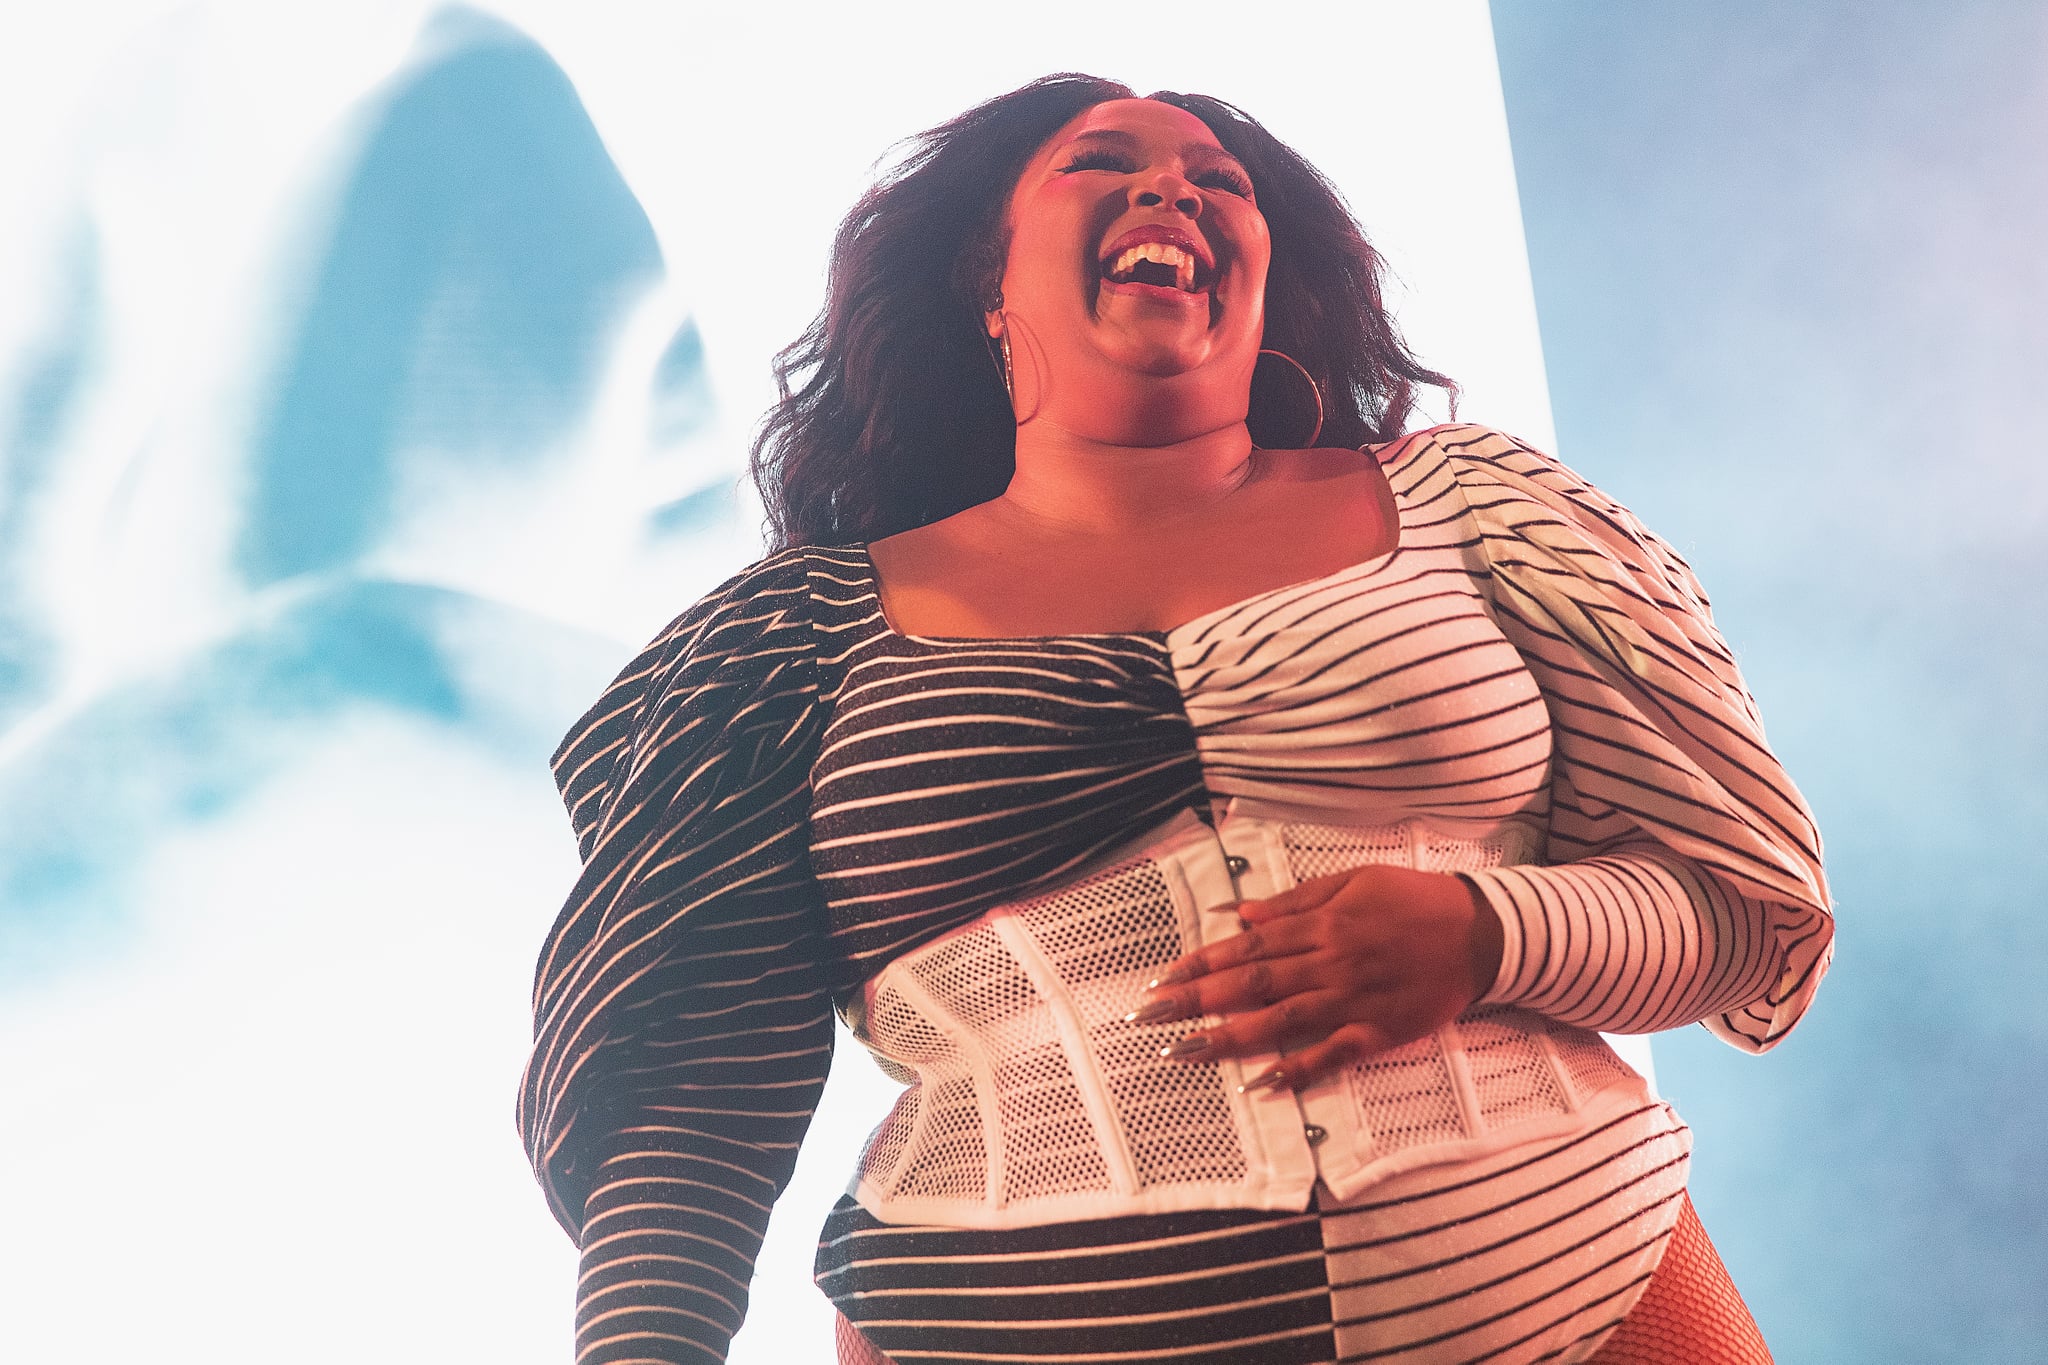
(1221, 177)
(1099, 161)
(1235, 181)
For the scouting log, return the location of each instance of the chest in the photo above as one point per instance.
(977, 576)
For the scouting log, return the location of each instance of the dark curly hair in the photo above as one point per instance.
(892, 413)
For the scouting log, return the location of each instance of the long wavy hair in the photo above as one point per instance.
(892, 412)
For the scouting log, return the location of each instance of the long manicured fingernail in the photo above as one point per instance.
(1154, 1011)
(1272, 1080)
(1194, 1045)
(1172, 976)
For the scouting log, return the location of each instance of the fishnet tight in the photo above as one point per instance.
(853, 1347)
(1690, 1314)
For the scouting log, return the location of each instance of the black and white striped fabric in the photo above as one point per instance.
(782, 794)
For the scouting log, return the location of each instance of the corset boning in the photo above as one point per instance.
(1031, 1100)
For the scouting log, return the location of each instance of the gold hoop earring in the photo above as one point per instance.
(1278, 408)
(999, 352)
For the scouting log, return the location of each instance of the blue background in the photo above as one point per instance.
(1789, 265)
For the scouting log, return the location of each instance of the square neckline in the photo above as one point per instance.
(1370, 564)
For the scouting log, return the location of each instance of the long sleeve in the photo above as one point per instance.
(682, 1020)
(1682, 880)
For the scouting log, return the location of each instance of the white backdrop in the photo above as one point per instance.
(259, 1074)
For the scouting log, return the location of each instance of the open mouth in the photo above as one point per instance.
(1157, 259)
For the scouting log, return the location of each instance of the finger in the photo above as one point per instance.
(1252, 985)
(1281, 939)
(1292, 1020)
(1355, 1042)
(1247, 986)
(1312, 894)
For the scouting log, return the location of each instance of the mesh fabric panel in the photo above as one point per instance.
(1049, 1144)
(1097, 943)
(885, 1148)
(949, 1161)
(1319, 850)
(1439, 853)
(1521, 1065)
(1406, 1096)
(975, 976)
(1588, 1061)
(1511, 1073)
(1029, 1005)
(1104, 939)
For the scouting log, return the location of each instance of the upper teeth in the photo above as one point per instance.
(1166, 253)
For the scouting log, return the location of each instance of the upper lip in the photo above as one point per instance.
(1205, 263)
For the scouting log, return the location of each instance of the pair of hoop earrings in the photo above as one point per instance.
(1275, 415)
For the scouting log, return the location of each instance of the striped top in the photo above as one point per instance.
(782, 795)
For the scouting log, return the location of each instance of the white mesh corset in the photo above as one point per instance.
(1492, 1076)
(1032, 1101)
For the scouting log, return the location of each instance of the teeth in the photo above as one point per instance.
(1165, 253)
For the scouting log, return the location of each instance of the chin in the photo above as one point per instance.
(1163, 355)
(1166, 364)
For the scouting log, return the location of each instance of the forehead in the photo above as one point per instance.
(1137, 120)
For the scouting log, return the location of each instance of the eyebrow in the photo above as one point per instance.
(1127, 139)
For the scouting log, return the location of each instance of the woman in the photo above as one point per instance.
(1232, 840)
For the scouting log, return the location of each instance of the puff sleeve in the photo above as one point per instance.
(1683, 879)
(682, 1018)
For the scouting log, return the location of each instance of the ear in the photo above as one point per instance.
(993, 320)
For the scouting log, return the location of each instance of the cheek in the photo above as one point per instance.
(1037, 260)
(1258, 246)
(1254, 264)
(1050, 231)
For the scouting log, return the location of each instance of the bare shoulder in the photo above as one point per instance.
(933, 574)
(965, 532)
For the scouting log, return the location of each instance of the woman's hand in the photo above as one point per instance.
(1333, 971)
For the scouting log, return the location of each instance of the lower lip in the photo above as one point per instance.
(1159, 293)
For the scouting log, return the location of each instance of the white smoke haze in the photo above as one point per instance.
(273, 1124)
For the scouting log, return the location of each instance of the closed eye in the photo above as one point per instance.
(1226, 178)
(1100, 159)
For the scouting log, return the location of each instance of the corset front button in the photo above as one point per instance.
(1315, 1133)
(1238, 866)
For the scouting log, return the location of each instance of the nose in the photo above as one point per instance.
(1166, 187)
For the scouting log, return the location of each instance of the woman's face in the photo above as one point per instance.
(1136, 245)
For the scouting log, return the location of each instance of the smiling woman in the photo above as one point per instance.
(1235, 844)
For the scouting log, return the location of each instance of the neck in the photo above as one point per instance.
(1072, 483)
